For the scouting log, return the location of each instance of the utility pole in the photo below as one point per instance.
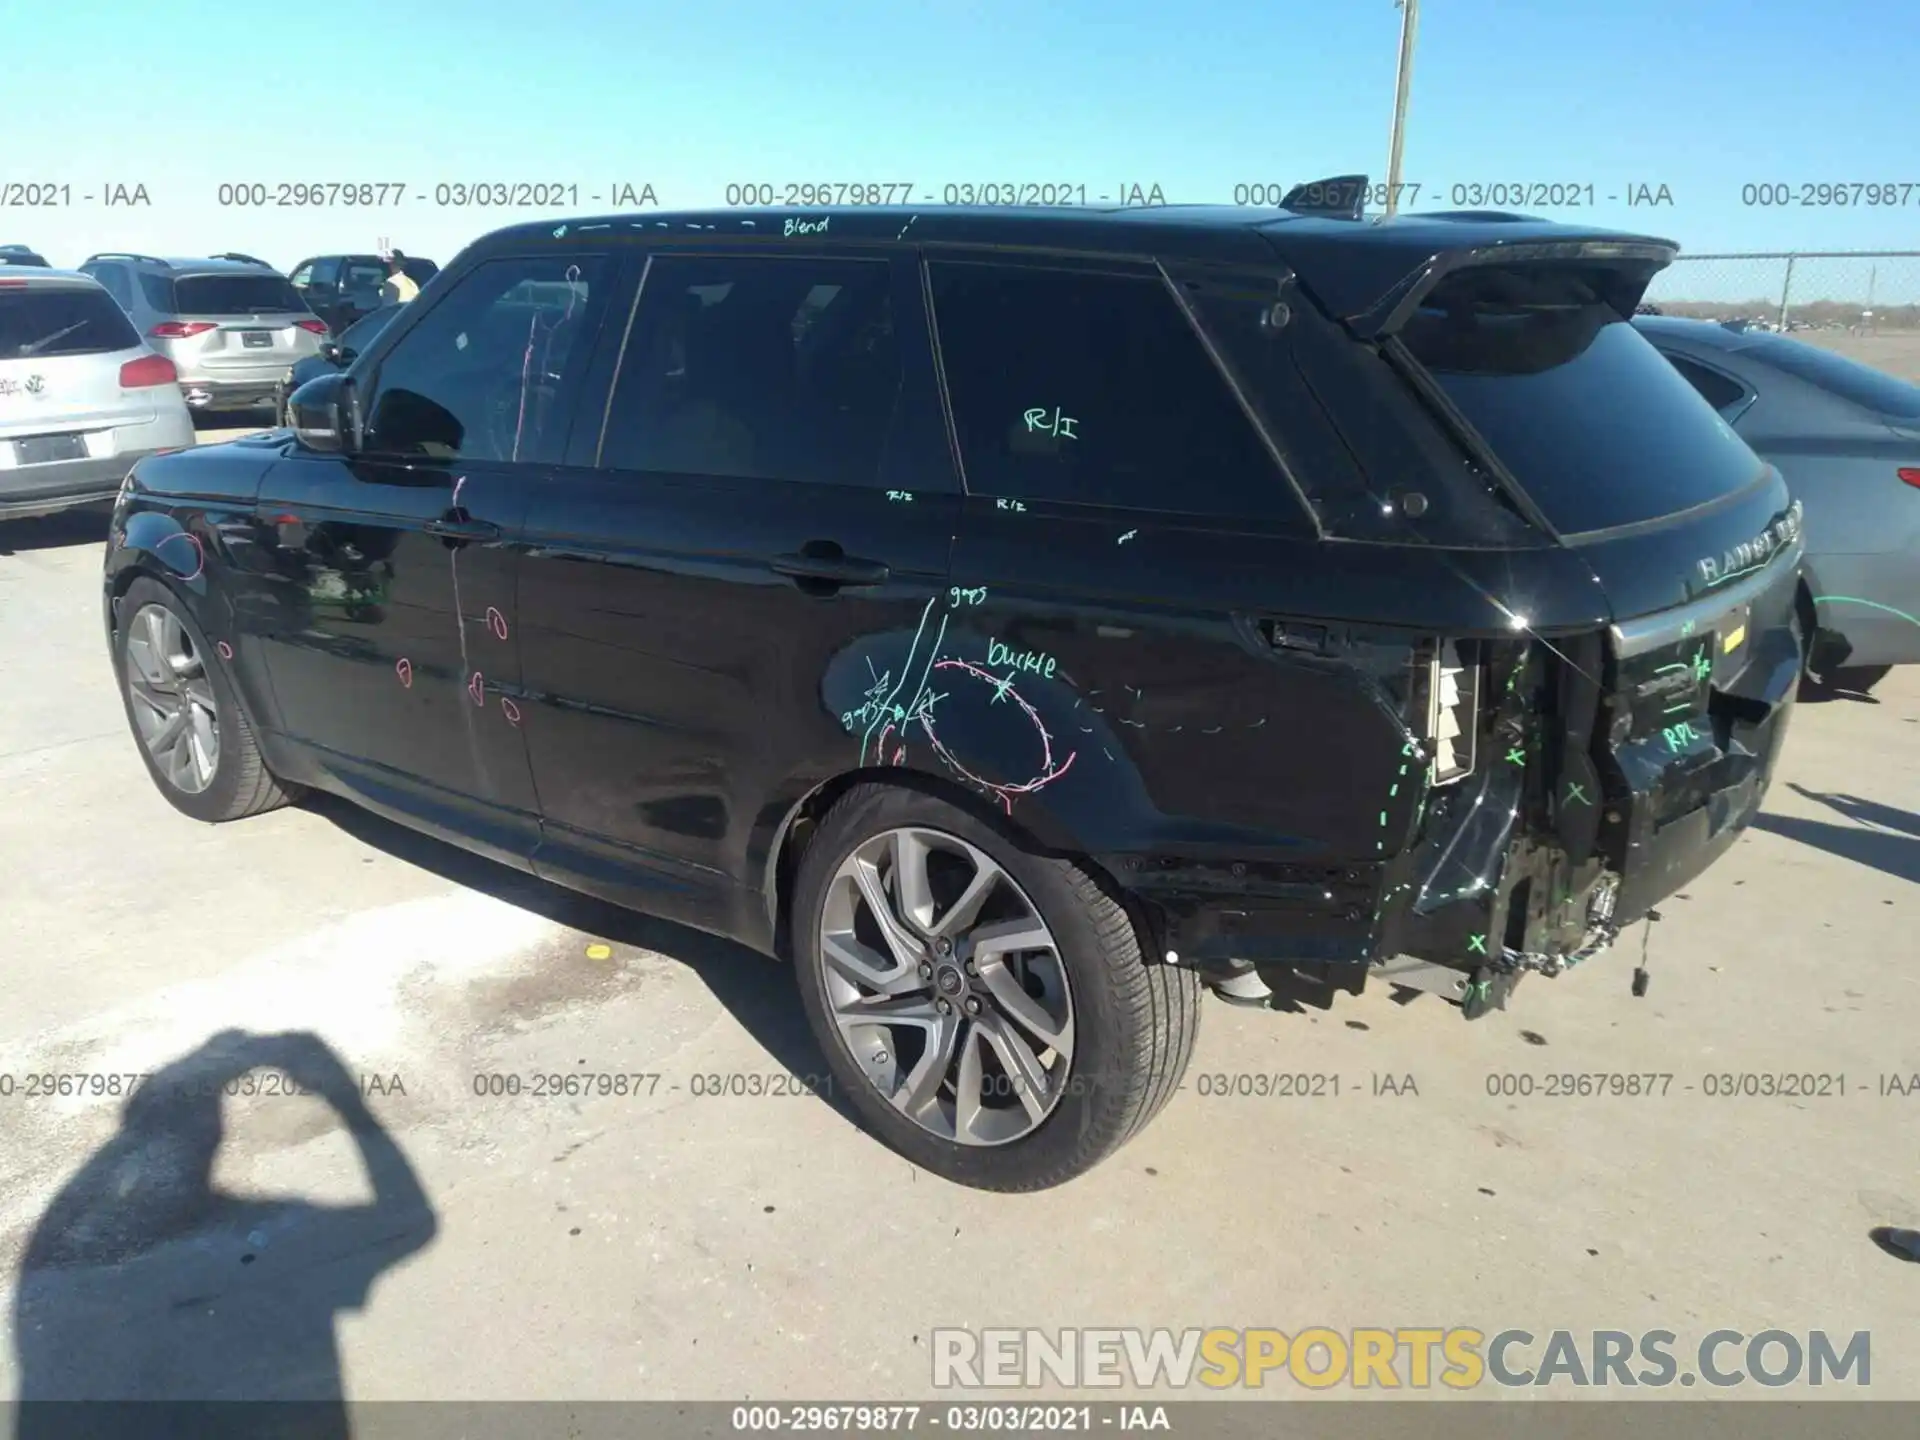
(1409, 24)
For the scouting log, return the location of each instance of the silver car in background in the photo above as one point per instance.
(232, 328)
(81, 395)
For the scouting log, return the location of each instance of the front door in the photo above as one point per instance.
(772, 483)
(393, 649)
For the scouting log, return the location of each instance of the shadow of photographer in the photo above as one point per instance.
(143, 1282)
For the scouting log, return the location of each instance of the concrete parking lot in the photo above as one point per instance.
(676, 1243)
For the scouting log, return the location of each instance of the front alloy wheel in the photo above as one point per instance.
(947, 986)
(171, 699)
(193, 733)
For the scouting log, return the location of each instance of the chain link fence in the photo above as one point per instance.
(1864, 304)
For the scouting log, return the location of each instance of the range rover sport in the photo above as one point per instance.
(1020, 621)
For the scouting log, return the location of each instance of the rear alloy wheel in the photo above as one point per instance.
(193, 736)
(987, 1011)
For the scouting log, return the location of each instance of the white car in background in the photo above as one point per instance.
(82, 396)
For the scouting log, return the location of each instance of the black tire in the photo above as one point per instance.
(241, 785)
(1135, 1022)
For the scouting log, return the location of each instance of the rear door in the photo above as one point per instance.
(393, 652)
(770, 486)
(317, 282)
(1132, 565)
(360, 282)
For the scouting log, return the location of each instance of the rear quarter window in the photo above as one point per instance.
(65, 320)
(1586, 415)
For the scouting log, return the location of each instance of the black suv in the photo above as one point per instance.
(1021, 621)
(340, 289)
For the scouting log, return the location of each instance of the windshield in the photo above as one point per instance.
(1594, 424)
(239, 294)
(67, 320)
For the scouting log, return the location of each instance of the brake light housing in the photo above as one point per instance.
(147, 371)
(180, 329)
(1910, 474)
(312, 327)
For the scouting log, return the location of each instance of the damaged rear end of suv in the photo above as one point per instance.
(1603, 725)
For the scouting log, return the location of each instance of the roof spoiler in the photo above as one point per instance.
(1343, 197)
(1624, 268)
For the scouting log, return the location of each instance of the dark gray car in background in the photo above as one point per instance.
(1847, 438)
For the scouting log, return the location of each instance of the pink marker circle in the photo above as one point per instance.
(404, 669)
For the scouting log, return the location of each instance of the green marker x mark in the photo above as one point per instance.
(1477, 944)
(1702, 667)
(1577, 792)
(1516, 757)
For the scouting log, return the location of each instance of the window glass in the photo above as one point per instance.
(1716, 389)
(1094, 389)
(488, 372)
(326, 272)
(301, 278)
(360, 276)
(71, 319)
(157, 290)
(364, 331)
(1585, 414)
(235, 294)
(759, 368)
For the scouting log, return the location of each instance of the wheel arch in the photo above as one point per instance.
(1034, 829)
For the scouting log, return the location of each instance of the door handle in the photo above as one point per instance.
(829, 568)
(460, 526)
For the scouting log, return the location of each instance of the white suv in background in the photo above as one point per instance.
(82, 396)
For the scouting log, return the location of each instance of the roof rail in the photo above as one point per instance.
(242, 259)
(1343, 197)
(126, 255)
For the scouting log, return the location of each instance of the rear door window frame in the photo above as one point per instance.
(1290, 514)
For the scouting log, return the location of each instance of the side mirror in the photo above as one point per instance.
(331, 352)
(323, 415)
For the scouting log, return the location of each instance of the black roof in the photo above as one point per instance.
(1353, 266)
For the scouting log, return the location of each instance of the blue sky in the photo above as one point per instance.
(1701, 96)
